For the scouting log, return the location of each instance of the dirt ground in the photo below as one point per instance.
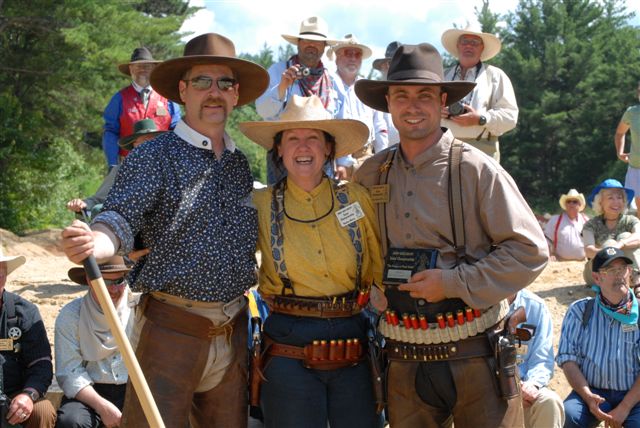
(43, 280)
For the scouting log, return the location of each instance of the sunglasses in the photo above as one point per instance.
(120, 282)
(573, 201)
(202, 83)
(617, 271)
(470, 42)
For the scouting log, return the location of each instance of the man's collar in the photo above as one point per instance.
(198, 140)
(139, 88)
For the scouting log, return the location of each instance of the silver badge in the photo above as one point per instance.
(611, 251)
(15, 333)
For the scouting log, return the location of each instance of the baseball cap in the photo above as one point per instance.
(606, 256)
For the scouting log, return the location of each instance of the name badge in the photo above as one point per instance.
(379, 193)
(629, 328)
(161, 111)
(6, 344)
(349, 214)
(402, 263)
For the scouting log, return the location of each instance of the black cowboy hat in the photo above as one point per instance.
(419, 65)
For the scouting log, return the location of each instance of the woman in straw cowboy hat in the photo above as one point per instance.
(564, 231)
(611, 227)
(25, 354)
(320, 261)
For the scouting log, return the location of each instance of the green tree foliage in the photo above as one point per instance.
(57, 73)
(574, 65)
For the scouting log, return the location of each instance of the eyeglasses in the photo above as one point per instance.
(350, 53)
(469, 42)
(120, 282)
(573, 201)
(202, 83)
(617, 271)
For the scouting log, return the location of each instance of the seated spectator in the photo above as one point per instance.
(542, 407)
(143, 130)
(598, 350)
(25, 356)
(612, 227)
(563, 231)
(89, 368)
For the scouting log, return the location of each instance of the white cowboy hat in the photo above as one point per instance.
(349, 41)
(13, 262)
(313, 28)
(491, 43)
(572, 195)
(309, 113)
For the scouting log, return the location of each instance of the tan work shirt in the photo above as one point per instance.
(495, 213)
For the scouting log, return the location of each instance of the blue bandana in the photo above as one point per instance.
(622, 312)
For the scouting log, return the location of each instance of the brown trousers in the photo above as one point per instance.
(173, 365)
(477, 403)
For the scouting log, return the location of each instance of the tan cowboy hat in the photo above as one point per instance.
(349, 41)
(215, 49)
(13, 262)
(313, 28)
(419, 65)
(113, 264)
(309, 113)
(139, 56)
(491, 43)
(388, 54)
(572, 195)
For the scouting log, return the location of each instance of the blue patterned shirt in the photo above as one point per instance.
(607, 356)
(193, 211)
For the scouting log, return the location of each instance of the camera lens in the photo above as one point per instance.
(456, 109)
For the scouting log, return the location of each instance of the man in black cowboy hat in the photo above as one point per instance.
(484, 248)
(188, 196)
(133, 103)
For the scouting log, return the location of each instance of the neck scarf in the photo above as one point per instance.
(316, 83)
(625, 312)
(96, 340)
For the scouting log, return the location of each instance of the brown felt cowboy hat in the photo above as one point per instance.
(491, 43)
(210, 48)
(13, 262)
(419, 65)
(112, 265)
(313, 28)
(309, 113)
(139, 56)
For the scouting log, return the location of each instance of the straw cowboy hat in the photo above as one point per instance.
(419, 65)
(609, 183)
(309, 113)
(491, 43)
(141, 127)
(313, 28)
(572, 195)
(13, 262)
(349, 41)
(388, 54)
(114, 264)
(205, 49)
(139, 56)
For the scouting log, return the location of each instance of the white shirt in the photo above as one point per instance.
(569, 245)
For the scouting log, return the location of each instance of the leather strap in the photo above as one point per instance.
(274, 349)
(456, 211)
(315, 308)
(473, 347)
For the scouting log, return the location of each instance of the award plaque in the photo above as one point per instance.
(402, 263)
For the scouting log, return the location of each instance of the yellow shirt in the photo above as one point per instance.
(320, 257)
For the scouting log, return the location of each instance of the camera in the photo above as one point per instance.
(303, 71)
(457, 108)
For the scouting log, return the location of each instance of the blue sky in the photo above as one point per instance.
(252, 23)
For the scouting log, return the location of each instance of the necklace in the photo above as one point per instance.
(284, 208)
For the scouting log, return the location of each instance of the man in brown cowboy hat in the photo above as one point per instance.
(133, 103)
(304, 75)
(188, 196)
(25, 357)
(490, 109)
(89, 367)
(444, 201)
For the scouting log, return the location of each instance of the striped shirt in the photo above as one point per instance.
(607, 356)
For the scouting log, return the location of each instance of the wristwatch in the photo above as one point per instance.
(32, 393)
(482, 121)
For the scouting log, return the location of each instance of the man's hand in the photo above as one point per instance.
(287, 78)
(624, 157)
(77, 241)
(426, 284)
(342, 173)
(617, 416)
(470, 118)
(109, 414)
(529, 394)
(20, 409)
(593, 401)
(76, 205)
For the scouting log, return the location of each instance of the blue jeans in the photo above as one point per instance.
(294, 396)
(577, 412)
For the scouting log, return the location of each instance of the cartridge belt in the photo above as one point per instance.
(473, 347)
(327, 307)
(329, 356)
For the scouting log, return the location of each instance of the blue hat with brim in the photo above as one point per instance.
(609, 183)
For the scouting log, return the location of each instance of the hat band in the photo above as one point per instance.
(415, 74)
(312, 33)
